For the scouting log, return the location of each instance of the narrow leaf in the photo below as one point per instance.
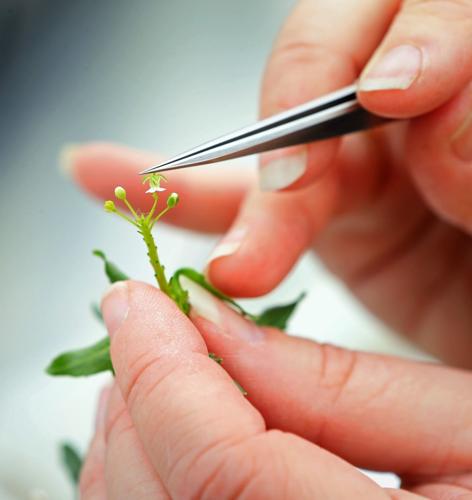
(216, 358)
(83, 362)
(72, 461)
(96, 311)
(240, 387)
(179, 295)
(278, 316)
(114, 274)
(200, 279)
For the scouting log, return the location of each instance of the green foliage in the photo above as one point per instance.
(240, 387)
(215, 358)
(83, 362)
(278, 316)
(200, 279)
(96, 311)
(72, 462)
(113, 273)
(96, 358)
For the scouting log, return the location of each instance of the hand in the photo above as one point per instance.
(175, 425)
(392, 215)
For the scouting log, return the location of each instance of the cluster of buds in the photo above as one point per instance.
(145, 222)
(138, 218)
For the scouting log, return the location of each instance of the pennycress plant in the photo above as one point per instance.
(96, 358)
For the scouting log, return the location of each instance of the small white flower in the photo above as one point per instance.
(155, 189)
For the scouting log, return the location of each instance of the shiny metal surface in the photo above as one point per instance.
(332, 115)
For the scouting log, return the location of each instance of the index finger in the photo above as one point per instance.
(182, 404)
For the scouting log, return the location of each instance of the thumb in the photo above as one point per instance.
(423, 61)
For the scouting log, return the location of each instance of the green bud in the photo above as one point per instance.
(172, 200)
(120, 193)
(109, 206)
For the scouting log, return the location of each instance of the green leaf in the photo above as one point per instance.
(114, 274)
(200, 279)
(278, 316)
(72, 461)
(216, 358)
(96, 311)
(240, 387)
(179, 295)
(83, 362)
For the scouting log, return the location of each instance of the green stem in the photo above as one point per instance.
(126, 218)
(130, 208)
(153, 209)
(154, 258)
(159, 216)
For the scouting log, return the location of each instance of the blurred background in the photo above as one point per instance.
(155, 74)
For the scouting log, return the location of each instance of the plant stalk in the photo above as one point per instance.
(154, 258)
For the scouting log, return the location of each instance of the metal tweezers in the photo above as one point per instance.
(332, 115)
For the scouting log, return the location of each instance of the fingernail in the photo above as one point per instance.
(229, 244)
(282, 172)
(462, 140)
(66, 158)
(205, 305)
(395, 70)
(115, 306)
(102, 408)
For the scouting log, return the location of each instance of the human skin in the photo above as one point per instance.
(174, 425)
(388, 211)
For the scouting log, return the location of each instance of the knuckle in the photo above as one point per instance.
(336, 370)
(118, 423)
(146, 374)
(219, 471)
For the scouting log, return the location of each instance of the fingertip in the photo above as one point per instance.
(438, 147)
(410, 73)
(274, 229)
(66, 159)
(115, 306)
(388, 82)
(244, 275)
(295, 168)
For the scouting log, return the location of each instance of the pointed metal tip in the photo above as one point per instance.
(156, 168)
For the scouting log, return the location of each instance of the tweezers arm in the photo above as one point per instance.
(355, 121)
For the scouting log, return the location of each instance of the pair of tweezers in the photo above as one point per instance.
(332, 115)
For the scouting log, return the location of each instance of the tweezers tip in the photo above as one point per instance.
(153, 169)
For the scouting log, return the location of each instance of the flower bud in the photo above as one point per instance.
(109, 206)
(172, 200)
(120, 193)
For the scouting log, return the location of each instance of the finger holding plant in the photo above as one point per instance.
(96, 358)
